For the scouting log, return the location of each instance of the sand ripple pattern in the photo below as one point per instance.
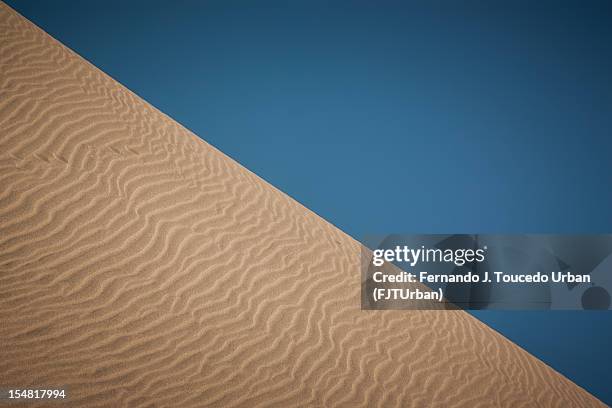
(141, 267)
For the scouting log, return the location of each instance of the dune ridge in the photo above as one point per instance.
(140, 266)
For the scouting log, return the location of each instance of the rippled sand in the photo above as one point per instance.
(139, 266)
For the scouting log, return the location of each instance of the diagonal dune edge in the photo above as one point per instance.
(139, 266)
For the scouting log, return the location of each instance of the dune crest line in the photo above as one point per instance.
(140, 266)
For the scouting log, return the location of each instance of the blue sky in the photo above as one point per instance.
(392, 117)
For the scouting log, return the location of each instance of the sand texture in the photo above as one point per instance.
(139, 266)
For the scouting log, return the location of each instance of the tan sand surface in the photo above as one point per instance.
(139, 266)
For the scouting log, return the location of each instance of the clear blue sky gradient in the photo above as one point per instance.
(385, 117)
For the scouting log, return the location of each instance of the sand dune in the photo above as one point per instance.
(139, 266)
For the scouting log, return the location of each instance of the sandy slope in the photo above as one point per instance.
(140, 266)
